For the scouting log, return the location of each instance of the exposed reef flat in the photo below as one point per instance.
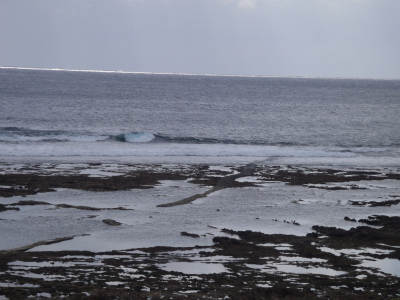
(280, 232)
(247, 264)
(24, 180)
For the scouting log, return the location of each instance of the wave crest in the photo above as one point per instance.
(136, 137)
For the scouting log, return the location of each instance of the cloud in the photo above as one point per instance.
(246, 3)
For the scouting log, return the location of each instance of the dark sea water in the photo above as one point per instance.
(155, 117)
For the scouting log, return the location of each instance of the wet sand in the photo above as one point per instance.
(257, 240)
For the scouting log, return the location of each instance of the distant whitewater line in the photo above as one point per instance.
(187, 74)
(144, 72)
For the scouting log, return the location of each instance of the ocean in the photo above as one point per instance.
(143, 118)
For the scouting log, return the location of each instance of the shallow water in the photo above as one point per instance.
(386, 265)
(194, 267)
(268, 208)
(291, 269)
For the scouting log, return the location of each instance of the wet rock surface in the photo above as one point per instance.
(30, 184)
(375, 203)
(6, 207)
(193, 235)
(255, 266)
(29, 181)
(327, 263)
(111, 222)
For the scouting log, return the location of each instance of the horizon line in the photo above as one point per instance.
(188, 74)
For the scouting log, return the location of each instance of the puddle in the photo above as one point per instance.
(99, 173)
(301, 259)
(301, 270)
(283, 248)
(218, 258)
(356, 252)
(191, 251)
(194, 268)
(189, 292)
(171, 277)
(115, 283)
(330, 250)
(275, 245)
(284, 268)
(25, 285)
(43, 295)
(386, 265)
(264, 285)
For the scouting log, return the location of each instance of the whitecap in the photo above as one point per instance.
(139, 137)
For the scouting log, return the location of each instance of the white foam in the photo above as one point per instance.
(139, 137)
(140, 148)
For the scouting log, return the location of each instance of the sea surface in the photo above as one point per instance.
(139, 117)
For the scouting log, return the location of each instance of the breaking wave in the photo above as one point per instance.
(136, 137)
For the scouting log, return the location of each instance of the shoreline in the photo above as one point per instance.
(348, 260)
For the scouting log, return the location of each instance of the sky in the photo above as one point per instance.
(311, 38)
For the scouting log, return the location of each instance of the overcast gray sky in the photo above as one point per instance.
(329, 38)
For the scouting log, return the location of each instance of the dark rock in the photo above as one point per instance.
(248, 169)
(31, 202)
(375, 203)
(350, 220)
(4, 208)
(77, 207)
(111, 222)
(193, 235)
(30, 184)
(379, 220)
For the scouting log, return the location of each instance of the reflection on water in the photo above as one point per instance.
(193, 268)
(301, 270)
(386, 265)
(286, 268)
